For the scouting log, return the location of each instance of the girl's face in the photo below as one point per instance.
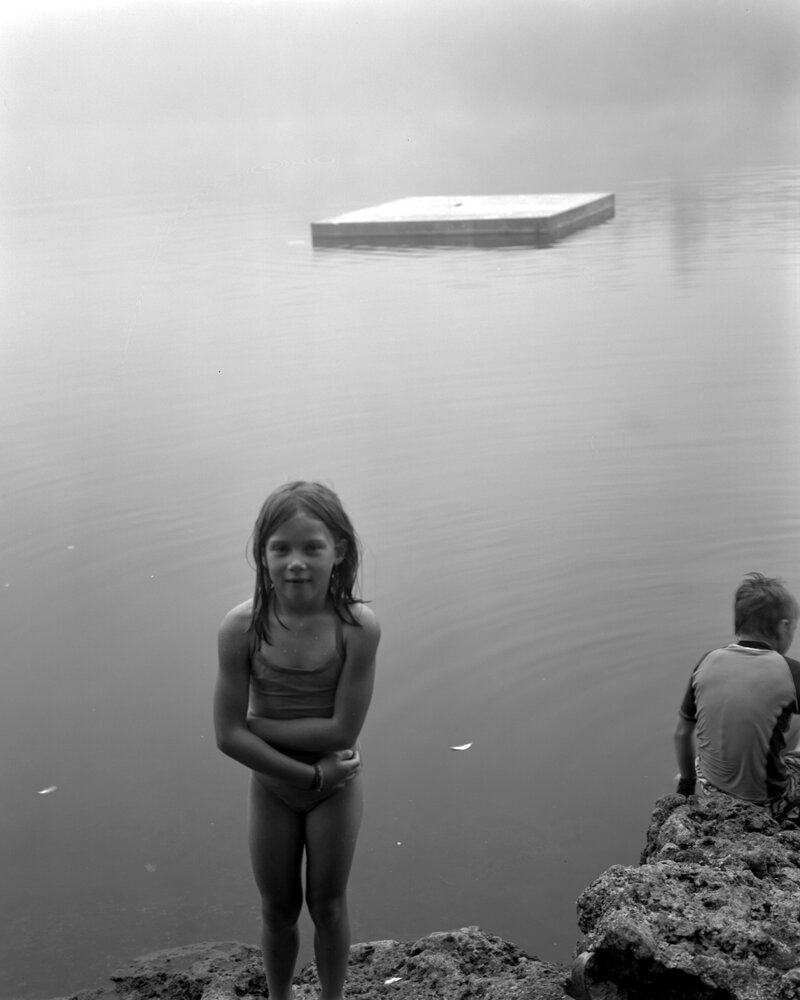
(300, 555)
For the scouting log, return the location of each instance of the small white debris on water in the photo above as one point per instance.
(151, 868)
(463, 746)
(391, 980)
(70, 548)
(46, 791)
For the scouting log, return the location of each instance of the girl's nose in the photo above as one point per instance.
(296, 563)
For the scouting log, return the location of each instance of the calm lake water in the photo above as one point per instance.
(561, 462)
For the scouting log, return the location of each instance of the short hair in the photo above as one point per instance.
(320, 502)
(761, 602)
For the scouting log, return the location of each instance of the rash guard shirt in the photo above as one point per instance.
(742, 698)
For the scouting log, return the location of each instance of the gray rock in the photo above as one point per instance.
(458, 964)
(711, 913)
(455, 965)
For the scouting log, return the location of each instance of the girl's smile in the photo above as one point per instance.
(300, 557)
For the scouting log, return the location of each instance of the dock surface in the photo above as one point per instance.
(538, 217)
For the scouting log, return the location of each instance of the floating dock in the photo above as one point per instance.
(526, 218)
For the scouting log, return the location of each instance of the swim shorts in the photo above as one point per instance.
(785, 807)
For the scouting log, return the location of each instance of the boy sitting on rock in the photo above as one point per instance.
(742, 706)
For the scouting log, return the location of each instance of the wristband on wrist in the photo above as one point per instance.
(316, 784)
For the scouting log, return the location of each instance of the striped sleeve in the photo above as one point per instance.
(794, 669)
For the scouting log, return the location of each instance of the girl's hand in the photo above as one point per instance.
(339, 767)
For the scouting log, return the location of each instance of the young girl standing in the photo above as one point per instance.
(296, 672)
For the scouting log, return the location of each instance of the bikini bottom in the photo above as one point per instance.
(298, 800)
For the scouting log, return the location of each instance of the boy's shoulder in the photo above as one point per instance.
(794, 670)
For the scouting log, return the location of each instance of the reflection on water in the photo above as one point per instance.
(560, 460)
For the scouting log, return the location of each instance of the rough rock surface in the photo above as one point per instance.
(711, 913)
(454, 965)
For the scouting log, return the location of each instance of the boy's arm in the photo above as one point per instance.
(353, 696)
(230, 709)
(685, 752)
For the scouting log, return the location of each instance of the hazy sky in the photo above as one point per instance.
(111, 57)
(564, 82)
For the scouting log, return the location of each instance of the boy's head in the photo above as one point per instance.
(764, 609)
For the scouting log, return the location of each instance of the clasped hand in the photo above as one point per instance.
(339, 767)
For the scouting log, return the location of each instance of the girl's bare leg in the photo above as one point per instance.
(276, 854)
(331, 834)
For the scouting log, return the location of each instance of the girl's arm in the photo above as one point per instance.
(353, 695)
(230, 708)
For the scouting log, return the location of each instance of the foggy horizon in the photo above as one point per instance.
(145, 62)
(467, 96)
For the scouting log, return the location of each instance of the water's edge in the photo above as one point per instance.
(710, 908)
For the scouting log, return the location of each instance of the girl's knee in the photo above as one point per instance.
(327, 911)
(280, 917)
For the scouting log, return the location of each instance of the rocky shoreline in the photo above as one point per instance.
(711, 912)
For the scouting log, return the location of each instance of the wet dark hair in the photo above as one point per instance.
(320, 502)
(761, 602)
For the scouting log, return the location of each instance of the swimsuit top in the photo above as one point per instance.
(278, 692)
